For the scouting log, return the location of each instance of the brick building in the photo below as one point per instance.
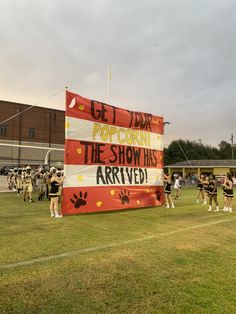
(35, 126)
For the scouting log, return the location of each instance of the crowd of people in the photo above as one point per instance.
(206, 190)
(48, 185)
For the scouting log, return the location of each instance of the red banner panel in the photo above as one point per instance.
(113, 157)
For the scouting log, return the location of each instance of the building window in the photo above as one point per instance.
(3, 130)
(31, 132)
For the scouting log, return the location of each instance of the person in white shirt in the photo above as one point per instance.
(177, 187)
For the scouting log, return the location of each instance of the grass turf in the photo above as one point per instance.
(188, 271)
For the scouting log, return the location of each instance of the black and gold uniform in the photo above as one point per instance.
(167, 189)
(200, 186)
(206, 186)
(227, 191)
(54, 191)
(224, 189)
(212, 187)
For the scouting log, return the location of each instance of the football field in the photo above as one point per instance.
(153, 260)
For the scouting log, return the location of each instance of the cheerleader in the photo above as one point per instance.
(167, 191)
(223, 184)
(206, 191)
(229, 193)
(55, 182)
(200, 188)
(212, 188)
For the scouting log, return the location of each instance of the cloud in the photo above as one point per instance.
(174, 58)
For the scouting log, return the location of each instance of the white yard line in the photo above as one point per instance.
(111, 245)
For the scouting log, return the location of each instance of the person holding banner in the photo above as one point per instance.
(167, 191)
(55, 182)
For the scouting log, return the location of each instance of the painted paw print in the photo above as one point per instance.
(158, 195)
(79, 201)
(124, 197)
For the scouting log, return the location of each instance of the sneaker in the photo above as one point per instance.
(173, 206)
(230, 210)
(167, 206)
(205, 202)
(216, 210)
(52, 215)
(197, 201)
(58, 216)
(209, 209)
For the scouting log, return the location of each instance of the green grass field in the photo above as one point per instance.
(180, 260)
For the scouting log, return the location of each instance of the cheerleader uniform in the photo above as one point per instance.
(212, 189)
(228, 192)
(206, 187)
(200, 185)
(224, 190)
(167, 189)
(54, 191)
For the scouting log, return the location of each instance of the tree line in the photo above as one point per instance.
(196, 151)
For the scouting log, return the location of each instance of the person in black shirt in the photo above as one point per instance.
(55, 182)
(167, 191)
(200, 188)
(212, 191)
(229, 193)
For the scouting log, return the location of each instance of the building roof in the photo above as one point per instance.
(229, 163)
(9, 103)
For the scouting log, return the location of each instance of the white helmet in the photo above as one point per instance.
(53, 169)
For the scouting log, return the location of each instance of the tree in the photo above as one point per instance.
(178, 150)
(225, 150)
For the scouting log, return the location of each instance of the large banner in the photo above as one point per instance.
(113, 157)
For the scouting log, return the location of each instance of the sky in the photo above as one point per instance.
(174, 58)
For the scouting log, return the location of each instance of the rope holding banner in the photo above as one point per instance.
(17, 114)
